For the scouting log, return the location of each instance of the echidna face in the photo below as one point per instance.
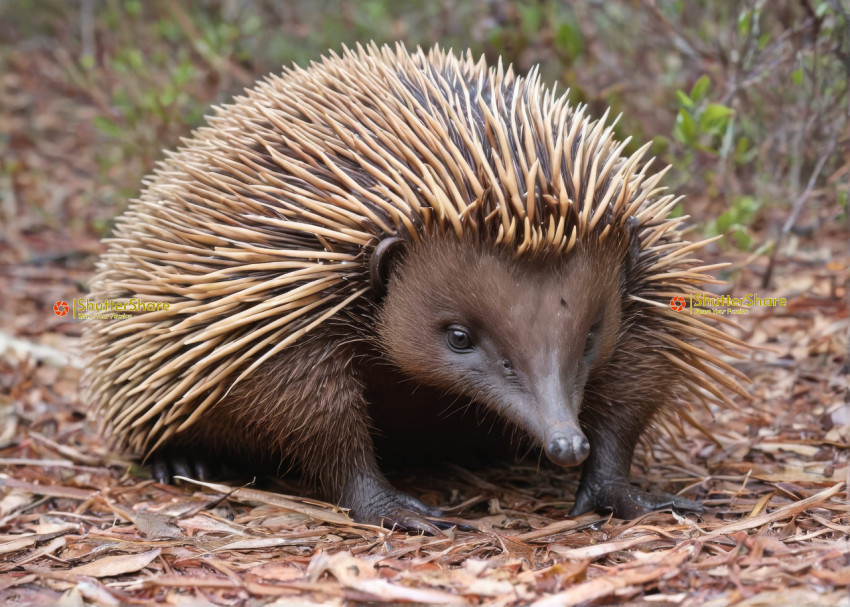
(521, 338)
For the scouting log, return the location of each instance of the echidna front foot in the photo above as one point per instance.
(374, 501)
(165, 468)
(624, 499)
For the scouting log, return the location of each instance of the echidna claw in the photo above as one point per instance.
(410, 522)
(625, 500)
(164, 469)
(374, 501)
(397, 510)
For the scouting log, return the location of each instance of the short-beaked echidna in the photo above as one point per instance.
(385, 220)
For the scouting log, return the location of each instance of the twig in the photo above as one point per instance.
(801, 200)
(87, 29)
(680, 39)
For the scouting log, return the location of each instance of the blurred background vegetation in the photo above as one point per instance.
(746, 99)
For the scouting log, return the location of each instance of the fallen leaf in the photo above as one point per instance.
(117, 565)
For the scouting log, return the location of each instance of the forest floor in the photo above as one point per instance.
(80, 523)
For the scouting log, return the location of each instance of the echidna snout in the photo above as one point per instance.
(568, 448)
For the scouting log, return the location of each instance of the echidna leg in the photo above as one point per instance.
(349, 470)
(353, 478)
(322, 425)
(604, 484)
(340, 456)
(374, 500)
(362, 487)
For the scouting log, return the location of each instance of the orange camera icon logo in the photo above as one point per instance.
(60, 308)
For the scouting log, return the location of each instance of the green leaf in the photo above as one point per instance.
(149, 102)
(183, 73)
(108, 127)
(743, 211)
(728, 138)
(253, 24)
(134, 58)
(797, 76)
(660, 145)
(133, 7)
(169, 30)
(531, 18)
(167, 96)
(684, 100)
(743, 238)
(87, 62)
(715, 118)
(724, 222)
(743, 152)
(568, 38)
(700, 88)
(497, 37)
(745, 20)
(685, 129)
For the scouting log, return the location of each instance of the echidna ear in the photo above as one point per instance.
(386, 253)
(633, 253)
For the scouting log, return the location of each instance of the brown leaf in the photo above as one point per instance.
(597, 550)
(117, 565)
(328, 515)
(602, 586)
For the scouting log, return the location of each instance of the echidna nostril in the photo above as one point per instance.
(581, 446)
(558, 447)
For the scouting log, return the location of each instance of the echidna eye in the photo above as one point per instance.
(592, 338)
(589, 343)
(459, 339)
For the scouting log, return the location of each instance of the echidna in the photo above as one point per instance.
(385, 220)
